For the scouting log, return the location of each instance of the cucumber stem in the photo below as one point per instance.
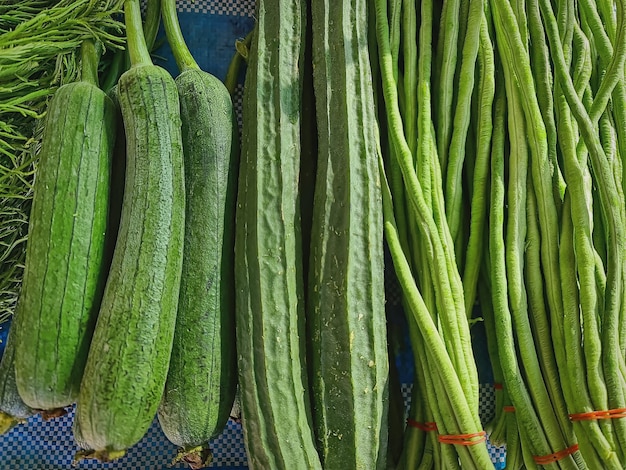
(137, 48)
(89, 62)
(174, 34)
(240, 55)
(7, 422)
(152, 22)
(195, 457)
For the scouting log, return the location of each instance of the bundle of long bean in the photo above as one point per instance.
(38, 44)
(422, 246)
(503, 138)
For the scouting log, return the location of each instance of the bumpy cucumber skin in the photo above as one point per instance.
(65, 263)
(275, 404)
(202, 377)
(345, 309)
(130, 351)
(13, 410)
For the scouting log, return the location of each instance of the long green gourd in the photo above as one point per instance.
(130, 353)
(65, 263)
(345, 303)
(275, 401)
(202, 378)
(36, 37)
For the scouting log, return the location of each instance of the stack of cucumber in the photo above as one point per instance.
(127, 306)
(483, 139)
(132, 306)
(311, 335)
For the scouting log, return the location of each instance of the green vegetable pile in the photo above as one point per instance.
(39, 40)
(480, 142)
(503, 136)
(135, 172)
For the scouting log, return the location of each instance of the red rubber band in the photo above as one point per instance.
(463, 439)
(593, 415)
(508, 409)
(426, 427)
(498, 386)
(548, 459)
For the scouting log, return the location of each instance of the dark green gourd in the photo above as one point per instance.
(345, 309)
(275, 402)
(65, 262)
(202, 377)
(129, 356)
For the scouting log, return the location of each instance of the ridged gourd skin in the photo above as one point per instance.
(65, 264)
(13, 410)
(275, 404)
(130, 351)
(345, 309)
(202, 377)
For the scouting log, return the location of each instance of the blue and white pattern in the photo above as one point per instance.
(217, 7)
(49, 445)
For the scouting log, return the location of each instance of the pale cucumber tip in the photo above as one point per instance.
(100, 455)
(196, 457)
(8, 422)
(47, 415)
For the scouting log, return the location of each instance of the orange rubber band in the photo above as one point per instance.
(508, 409)
(593, 415)
(426, 427)
(548, 459)
(463, 439)
(498, 386)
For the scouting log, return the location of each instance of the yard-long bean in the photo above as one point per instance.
(505, 123)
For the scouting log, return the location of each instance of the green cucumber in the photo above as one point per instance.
(65, 261)
(80, 442)
(130, 352)
(202, 377)
(345, 304)
(275, 404)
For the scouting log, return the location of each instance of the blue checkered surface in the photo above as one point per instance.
(211, 28)
(49, 445)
